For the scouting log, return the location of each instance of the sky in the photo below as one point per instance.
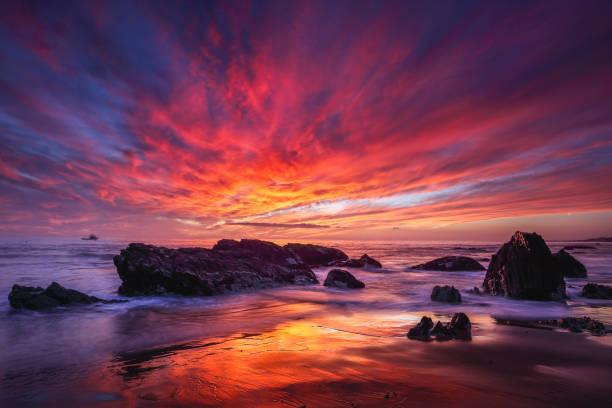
(306, 120)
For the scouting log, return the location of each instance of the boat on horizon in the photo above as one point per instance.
(91, 237)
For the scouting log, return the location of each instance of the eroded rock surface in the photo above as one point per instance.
(229, 266)
(524, 268)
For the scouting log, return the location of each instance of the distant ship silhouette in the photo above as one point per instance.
(91, 237)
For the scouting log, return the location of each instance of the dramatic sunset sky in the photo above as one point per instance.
(287, 119)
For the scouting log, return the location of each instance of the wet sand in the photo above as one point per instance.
(327, 362)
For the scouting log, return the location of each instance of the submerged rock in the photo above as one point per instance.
(340, 278)
(317, 255)
(570, 267)
(451, 263)
(37, 298)
(445, 294)
(595, 291)
(458, 328)
(229, 266)
(524, 268)
(475, 291)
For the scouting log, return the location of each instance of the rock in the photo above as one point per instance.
(572, 247)
(445, 294)
(229, 266)
(595, 291)
(442, 332)
(451, 263)
(350, 263)
(475, 291)
(459, 328)
(368, 261)
(37, 298)
(364, 261)
(580, 324)
(421, 330)
(524, 268)
(317, 255)
(570, 267)
(340, 278)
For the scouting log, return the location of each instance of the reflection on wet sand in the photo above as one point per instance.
(303, 363)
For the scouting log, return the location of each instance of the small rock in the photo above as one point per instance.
(475, 291)
(369, 261)
(342, 279)
(421, 330)
(451, 263)
(445, 294)
(595, 291)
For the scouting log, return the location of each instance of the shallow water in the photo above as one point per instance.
(278, 347)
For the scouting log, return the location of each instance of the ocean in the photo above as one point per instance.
(268, 347)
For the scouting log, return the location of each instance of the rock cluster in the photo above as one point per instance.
(451, 263)
(459, 328)
(340, 278)
(37, 298)
(445, 294)
(229, 266)
(524, 268)
(595, 291)
(569, 266)
(317, 255)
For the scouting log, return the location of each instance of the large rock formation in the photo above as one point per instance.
(229, 266)
(451, 263)
(317, 255)
(342, 279)
(569, 266)
(524, 268)
(459, 328)
(37, 298)
(445, 294)
(595, 291)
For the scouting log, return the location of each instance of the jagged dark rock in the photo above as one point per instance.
(475, 291)
(451, 263)
(595, 291)
(229, 266)
(422, 330)
(37, 298)
(458, 328)
(570, 267)
(317, 255)
(524, 268)
(445, 294)
(340, 278)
